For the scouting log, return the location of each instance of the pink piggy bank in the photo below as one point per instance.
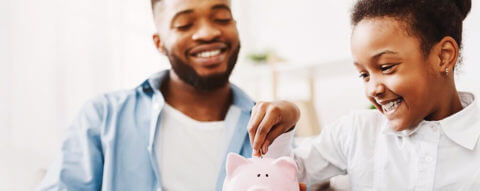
(260, 174)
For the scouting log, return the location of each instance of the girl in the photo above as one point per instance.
(424, 134)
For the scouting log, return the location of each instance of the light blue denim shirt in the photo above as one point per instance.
(110, 145)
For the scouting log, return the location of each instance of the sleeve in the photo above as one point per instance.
(324, 156)
(281, 146)
(79, 166)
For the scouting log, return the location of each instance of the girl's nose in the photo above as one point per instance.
(375, 88)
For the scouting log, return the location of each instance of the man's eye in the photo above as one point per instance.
(183, 27)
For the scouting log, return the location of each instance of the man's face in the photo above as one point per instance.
(399, 80)
(200, 39)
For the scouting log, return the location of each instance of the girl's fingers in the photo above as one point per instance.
(302, 186)
(269, 120)
(258, 112)
(274, 133)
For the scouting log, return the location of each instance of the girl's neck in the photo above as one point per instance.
(448, 104)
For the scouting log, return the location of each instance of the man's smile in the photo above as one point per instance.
(209, 55)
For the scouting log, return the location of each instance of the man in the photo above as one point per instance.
(173, 131)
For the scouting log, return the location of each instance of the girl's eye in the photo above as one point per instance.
(386, 68)
(223, 21)
(363, 75)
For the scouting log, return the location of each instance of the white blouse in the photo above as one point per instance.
(436, 155)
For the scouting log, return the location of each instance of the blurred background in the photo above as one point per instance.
(57, 54)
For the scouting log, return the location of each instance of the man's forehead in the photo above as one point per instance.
(172, 7)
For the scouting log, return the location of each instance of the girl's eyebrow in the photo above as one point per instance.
(376, 56)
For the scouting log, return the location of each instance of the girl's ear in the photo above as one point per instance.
(158, 43)
(448, 52)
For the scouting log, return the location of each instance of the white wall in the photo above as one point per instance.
(469, 75)
(301, 30)
(54, 56)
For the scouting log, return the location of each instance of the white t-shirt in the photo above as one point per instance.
(190, 151)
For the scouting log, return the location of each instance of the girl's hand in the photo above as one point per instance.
(302, 186)
(268, 121)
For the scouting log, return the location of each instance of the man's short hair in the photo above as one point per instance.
(154, 2)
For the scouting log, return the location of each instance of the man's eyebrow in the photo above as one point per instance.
(188, 11)
(221, 6)
(376, 56)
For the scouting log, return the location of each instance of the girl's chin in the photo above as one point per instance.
(397, 125)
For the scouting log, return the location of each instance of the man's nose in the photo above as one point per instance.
(206, 32)
(375, 88)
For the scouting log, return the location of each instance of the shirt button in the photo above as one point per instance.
(428, 159)
(156, 106)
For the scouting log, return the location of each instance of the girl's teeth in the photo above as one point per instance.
(391, 105)
(207, 54)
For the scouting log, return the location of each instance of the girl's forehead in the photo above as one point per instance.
(375, 35)
(380, 27)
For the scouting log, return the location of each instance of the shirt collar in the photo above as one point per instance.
(463, 127)
(153, 84)
(388, 130)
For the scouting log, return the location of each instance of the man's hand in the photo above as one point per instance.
(268, 121)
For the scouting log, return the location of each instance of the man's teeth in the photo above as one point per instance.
(391, 105)
(207, 54)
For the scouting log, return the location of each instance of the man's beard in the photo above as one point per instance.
(204, 83)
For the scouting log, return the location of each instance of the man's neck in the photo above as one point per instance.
(197, 104)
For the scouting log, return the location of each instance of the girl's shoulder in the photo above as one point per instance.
(363, 122)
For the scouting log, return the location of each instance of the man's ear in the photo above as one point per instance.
(448, 52)
(158, 43)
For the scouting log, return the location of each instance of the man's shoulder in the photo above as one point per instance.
(241, 99)
(115, 99)
(117, 96)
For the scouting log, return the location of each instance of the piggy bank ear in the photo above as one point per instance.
(234, 160)
(287, 165)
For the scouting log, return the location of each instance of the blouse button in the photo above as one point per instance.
(428, 159)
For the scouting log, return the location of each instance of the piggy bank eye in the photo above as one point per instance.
(258, 175)
(266, 175)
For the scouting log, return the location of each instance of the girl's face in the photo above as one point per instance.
(399, 80)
